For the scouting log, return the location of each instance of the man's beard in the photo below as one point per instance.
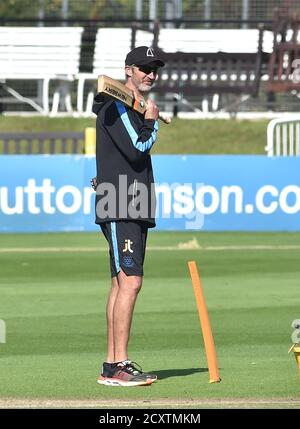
(144, 88)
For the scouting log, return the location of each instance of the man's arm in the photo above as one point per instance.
(135, 145)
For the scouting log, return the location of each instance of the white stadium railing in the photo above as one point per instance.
(283, 137)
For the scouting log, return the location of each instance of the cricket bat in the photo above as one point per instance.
(115, 89)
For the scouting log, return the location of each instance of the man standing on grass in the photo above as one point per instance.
(125, 207)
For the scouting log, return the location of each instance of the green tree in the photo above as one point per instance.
(19, 9)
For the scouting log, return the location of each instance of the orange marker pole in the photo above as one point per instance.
(209, 344)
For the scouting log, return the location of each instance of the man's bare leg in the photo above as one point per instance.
(109, 319)
(129, 287)
(119, 311)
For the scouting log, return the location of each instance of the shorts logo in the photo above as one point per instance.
(128, 261)
(127, 247)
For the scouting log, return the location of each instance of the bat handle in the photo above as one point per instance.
(164, 118)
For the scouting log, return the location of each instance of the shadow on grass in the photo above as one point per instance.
(166, 373)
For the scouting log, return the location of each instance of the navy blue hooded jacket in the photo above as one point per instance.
(125, 184)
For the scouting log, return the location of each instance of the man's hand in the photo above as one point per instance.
(151, 111)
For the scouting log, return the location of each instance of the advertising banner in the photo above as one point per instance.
(40, 193)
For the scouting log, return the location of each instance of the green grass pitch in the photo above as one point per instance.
(53, 290)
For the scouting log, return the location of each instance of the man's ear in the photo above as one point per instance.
(128, 71)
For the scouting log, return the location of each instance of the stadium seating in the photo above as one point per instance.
(40, 54)
(200, 62)
(213, 62)
(191, 54)
(213, 40)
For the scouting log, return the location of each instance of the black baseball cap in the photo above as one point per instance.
(143, 55)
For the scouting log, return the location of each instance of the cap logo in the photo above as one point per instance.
(150, 52)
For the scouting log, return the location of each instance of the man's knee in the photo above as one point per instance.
(136, 283)
(130, 284)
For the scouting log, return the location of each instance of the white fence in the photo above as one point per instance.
(283, 137)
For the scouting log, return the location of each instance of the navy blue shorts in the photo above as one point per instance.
(127, 246)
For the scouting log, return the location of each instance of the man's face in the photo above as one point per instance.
(143, 77)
